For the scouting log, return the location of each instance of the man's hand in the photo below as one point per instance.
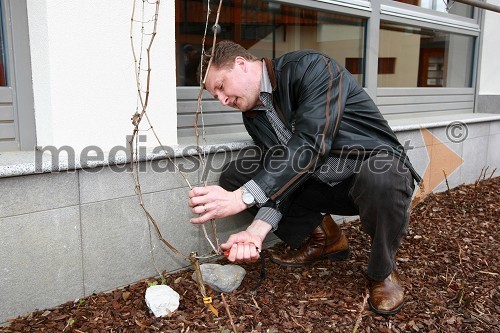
(243, 245)
(214, 202)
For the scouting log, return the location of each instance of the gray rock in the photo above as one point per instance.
(222, 278)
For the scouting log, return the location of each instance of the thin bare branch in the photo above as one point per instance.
(361, 310)
(199, 111)
(446, 179)
(226, 306)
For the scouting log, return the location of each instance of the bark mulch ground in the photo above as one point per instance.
(448, 262)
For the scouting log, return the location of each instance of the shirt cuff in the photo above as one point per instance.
(269, 215)
(259, 195)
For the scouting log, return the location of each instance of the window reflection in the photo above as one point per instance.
(451, 7)
(267, 29)
(425, 57)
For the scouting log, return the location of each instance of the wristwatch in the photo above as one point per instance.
(247, 197)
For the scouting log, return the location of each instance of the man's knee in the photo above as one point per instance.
(382, 180)
(238, 172)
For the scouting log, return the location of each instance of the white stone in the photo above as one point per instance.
(162, 300)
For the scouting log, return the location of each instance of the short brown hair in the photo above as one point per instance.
(224, 54)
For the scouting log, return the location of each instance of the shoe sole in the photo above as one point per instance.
(337, 256)
(383, 312)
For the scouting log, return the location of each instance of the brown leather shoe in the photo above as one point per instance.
(386, 297)
(326, 241)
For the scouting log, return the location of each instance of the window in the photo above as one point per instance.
(17, 118)
(427, 47)
(267, 29)
(451, 7)
(3, 78)
(425, 57)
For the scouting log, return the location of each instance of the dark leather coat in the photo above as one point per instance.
(328, 113)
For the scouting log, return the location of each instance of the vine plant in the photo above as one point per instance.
(141, 113)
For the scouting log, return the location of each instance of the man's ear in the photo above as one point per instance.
(241, 62)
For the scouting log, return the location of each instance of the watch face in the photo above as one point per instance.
(248, 198)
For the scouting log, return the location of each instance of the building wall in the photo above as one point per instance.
(489, 80)
(488, 98)
(83, 72)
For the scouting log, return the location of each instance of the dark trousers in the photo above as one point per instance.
(380, 193)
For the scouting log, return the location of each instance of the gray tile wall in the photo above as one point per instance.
(34, 193)
(40, 260)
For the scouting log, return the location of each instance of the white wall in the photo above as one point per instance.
(489, 80)
(83, 72)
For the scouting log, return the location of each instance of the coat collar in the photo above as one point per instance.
(272, 79)
(270, 72)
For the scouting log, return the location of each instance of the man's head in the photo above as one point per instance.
(234, 76)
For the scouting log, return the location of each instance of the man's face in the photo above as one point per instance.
(236, 87)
